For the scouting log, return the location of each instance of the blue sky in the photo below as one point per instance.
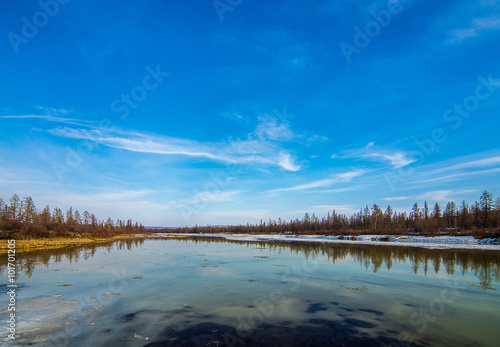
(181, 112)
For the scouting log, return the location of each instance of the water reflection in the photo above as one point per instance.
(26, 262)
(485, 265)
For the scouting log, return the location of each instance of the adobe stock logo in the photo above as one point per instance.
(150, 82)
(223, 6)
(363, 37)
(30, 28)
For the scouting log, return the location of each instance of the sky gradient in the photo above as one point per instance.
(178, 113)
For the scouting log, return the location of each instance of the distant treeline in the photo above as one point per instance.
(481, 219)
(21, 218)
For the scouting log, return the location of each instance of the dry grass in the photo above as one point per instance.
(59, 242)
(34, 244)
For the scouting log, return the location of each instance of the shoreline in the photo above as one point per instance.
(428, 242)
(60, 242)
(432, 242)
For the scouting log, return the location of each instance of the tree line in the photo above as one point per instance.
(21, 217)
(481, 217)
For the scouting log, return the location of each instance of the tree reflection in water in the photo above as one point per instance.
(484, 264)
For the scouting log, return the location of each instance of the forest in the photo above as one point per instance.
(480, 219)
(21, 219)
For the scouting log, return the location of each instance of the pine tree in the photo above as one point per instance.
(436, 214)
(485, 202)
(86, 218)
(29, 213)
(464, 215)
(2, 204)
(388, 217)
(69, 216)
(15, 207)
(366, 217)
(377, 216)
(57, 216)
(45, 215)
(449, 214)
(77, 217)
(497, 211)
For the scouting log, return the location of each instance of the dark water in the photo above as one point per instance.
(214, 292)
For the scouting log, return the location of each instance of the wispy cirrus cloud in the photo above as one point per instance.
(460, 168)
(217, 196)
(459, 176)
(271, 128)
(50, 118)
(444, 195)
(396, 157)
(262, 147)
(53, 115)
(473, 164)
(324, 183)
(233, 152)
(395, 198)
(476, 27)
(325, 208)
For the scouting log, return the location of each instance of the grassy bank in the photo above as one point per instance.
(59, 242)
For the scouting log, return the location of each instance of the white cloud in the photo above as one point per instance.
(474, 164)
(459, 168)
(52, 118)
(444, 195)
(476, 26)
(487, 23)
(260, 147)
(250, 151)
(327, 182)
(286, 162)
(397, 158)
(269, 128)
(53, 115)
(460, 176)
(395, 198)
(218, 196)
(345, 189)
(459, 35)
(333, 207)
(317, 138)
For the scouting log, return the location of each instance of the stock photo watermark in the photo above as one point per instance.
(11, 286)
(454, 117)
(419, 321)
(139, 93)
(266, 307)
(121, 106)
(31, 26)
(117, 283)
(219, 180)
(363, 36)
(223, 6)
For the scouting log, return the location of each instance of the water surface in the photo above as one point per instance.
(215, 292)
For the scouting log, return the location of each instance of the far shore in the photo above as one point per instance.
(415, 240)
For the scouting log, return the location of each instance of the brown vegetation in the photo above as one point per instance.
(481, 220)
(22, 220)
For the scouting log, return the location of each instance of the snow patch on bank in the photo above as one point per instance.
(434, 242)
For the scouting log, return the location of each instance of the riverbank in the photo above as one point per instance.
(432, 242)
(59, 242)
